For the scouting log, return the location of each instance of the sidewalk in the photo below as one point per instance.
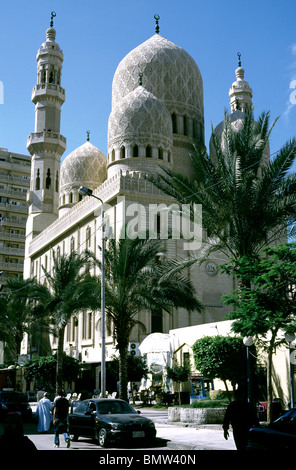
(192, 437)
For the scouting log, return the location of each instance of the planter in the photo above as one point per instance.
(196, 415)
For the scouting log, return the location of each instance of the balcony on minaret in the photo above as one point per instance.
(48, 91)
(46, 141)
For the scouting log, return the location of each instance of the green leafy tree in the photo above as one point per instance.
(136, 280)
(178, 374)
(66, 294)
(248, 201)
(221, 357)
(17, 314)
(42, 370)
(268, 305)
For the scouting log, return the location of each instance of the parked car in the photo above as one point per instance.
(108, 420)
(14, 401)
(279, 435)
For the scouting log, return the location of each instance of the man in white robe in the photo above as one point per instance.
(44, 409)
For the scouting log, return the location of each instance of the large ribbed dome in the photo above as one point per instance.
(169, 72)
(140, 117)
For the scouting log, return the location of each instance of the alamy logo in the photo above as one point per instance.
(293, 93)
(160, 221)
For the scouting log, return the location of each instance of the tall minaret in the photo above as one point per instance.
(240, 93)
(46, 144)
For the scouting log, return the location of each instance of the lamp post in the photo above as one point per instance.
(88, 192)
(248, 341)
(290, 338)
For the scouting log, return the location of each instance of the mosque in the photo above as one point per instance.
(156, 120)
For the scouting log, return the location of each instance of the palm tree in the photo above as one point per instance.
(64, 296)
(248, 201)
(136, 280)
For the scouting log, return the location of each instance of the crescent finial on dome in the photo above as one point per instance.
(53, 15)
(87, 135)
(156, 17)
(239, 59)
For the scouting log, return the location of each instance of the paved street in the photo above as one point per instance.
(170, 436)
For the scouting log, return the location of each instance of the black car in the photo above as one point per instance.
(14, 401)
(108, 420)
(279, 435)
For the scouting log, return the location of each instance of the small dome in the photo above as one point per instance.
(236, 120)
(85, 166)
(169, 72)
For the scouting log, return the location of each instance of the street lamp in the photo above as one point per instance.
(290, 338)
(248, 342)
(88, 192)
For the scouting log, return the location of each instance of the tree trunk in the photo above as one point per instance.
(269, 377)
(227, 391)
(60, 353)
(123, 380)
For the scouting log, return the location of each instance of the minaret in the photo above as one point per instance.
(240, 93)
(46, 144)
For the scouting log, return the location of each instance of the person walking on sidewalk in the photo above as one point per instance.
(242, 416)
(60, 417)
(44, 409)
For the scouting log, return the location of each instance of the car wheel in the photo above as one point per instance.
(102, 437)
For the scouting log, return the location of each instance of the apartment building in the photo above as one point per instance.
(14, 183)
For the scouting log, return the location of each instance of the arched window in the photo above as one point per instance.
(135, 151)
(48, 180)
(88, 238)
(37, 183)
(70, 198)
(194, 128)
(160, 153)
(169, 156)
(113, 156)
(174, 122)
(122, 152)
(72, 245)
(57, 182)
(185, 125)
(58, 254)
(148, 151)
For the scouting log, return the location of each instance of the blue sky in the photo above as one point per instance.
(96, 35)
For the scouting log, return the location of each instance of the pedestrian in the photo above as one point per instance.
(242, 416)
(13, 439)
(60, 417)
(44, 409)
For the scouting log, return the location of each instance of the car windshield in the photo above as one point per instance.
(115, 408)
(14, 397)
